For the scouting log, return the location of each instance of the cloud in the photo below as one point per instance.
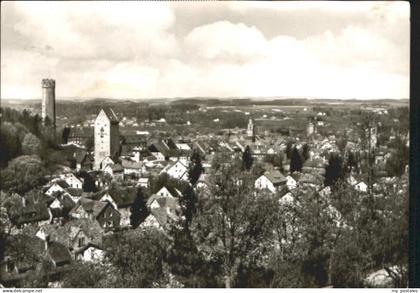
(224, 40)
(150, 49)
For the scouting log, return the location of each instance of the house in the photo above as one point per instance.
(178, 171)
(163, 211)
(33, 214)
(271, 180)
(72, 181)
(165, 192)
(58, 254)
(361, 187)
(132, 167)
(60, 207)
(310, 180)
(183, 147)
(103, 212)
(91, 253)
(144, 182)
(107, 161)
(291, 182)
(70, 235)
(56, 187)
(115, 170)
(124, 199)
(84, 160)
(159, 156)
(159, 147)
(287, 199)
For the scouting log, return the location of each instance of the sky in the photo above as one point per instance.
(145, 50)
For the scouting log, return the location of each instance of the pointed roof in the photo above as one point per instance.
(110, 114)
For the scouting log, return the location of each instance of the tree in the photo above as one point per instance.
(276, 160)
(289, 148)
(85, 275)
(195, 168)
(305, 152)
(341, 144)
(232, 224)
(395, 165)
(186, 263)
(66, 134)
(10, 144)
(31, 145)
(334, 169)
(89, 143)
(351, 163)
(88, 183)
(138, 258)
(139, 209)
(23, 174)
(295, 161)
(247, 158)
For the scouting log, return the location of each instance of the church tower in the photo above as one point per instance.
(48, 100)
(250, 129)
(106, 134)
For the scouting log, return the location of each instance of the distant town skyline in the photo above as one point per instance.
(139, 50)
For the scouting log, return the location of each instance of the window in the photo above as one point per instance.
(81, 241)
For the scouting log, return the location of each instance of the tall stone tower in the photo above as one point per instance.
(107, 137)
(48, 100)
(310, 129)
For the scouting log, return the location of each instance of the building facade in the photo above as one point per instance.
(106, 134)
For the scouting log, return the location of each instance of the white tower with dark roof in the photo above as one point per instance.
(106, 134)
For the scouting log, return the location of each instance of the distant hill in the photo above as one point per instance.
(208, 101)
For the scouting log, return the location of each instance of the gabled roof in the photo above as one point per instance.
(62, 183)
(91, 206)
(161, 214)
(275, 176)
(310, 178)
(110, 114)
(164, 201)
(59, 253)
(90, 227)
(33, 213)
(159, 147)
(128, 164)
(117, 168)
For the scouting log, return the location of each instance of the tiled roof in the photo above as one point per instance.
(59, 253)
(275, 177)
(92, 206)
(110, 114)
(131, 164)
(117, 168)
(33, 213)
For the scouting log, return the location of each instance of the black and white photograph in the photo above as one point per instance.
(213, 144)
